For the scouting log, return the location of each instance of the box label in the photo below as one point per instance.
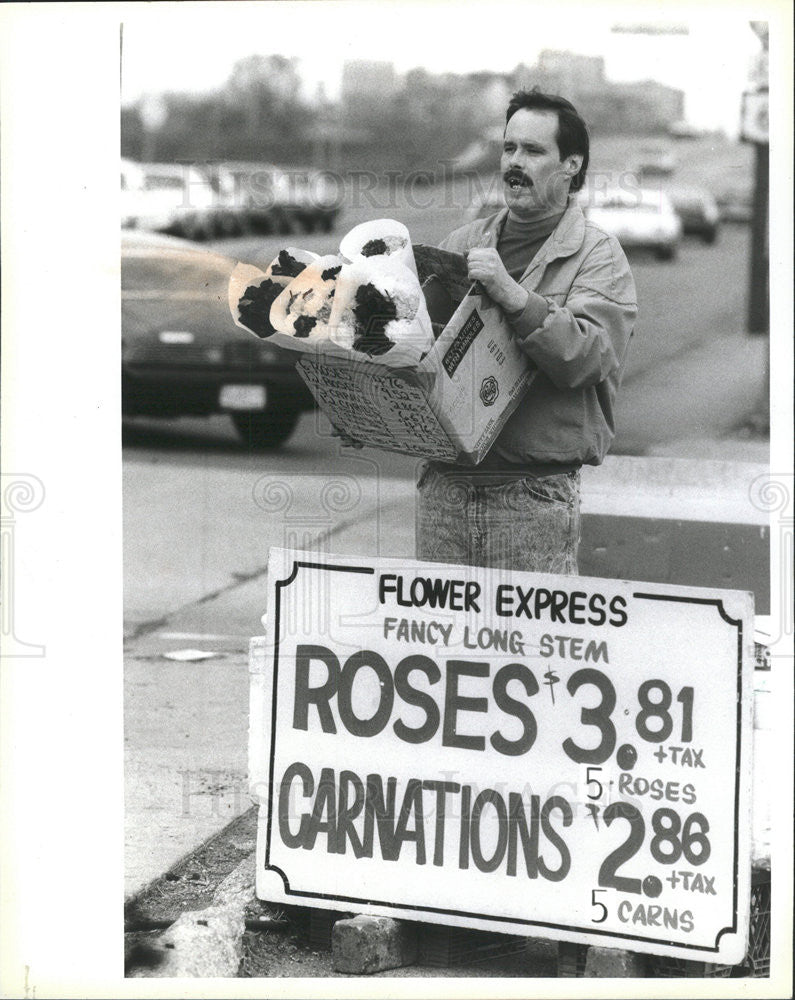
(377, 407)
(463, 341)
(533, 754)
(489, 390)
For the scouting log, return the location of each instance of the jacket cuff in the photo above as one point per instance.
(524, 321)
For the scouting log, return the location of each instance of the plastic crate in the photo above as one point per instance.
(680, 968)
(761, 656)
(445, 947)
(315, 926)
(757, 959)
(572, 957)
(571, 960)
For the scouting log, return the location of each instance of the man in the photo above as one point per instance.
(569, 296)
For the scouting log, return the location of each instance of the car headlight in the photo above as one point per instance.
(268, 352)
(176, 337)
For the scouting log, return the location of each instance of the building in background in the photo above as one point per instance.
(569, 72)
(639, 108)
(609, 107)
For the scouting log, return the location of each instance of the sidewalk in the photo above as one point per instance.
(186, 723)
(720, 382)
(729, 449)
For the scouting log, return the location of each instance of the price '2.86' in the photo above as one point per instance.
(671, 840)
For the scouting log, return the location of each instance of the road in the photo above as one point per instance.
(199, 516)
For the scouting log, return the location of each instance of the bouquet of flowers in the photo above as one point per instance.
(365, 302)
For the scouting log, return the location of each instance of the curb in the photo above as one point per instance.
(190, 921)
(205, 943)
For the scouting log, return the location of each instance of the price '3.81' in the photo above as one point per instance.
(650, 708)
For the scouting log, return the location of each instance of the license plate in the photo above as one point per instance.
(242, 397)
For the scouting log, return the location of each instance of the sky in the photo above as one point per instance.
(193, 47)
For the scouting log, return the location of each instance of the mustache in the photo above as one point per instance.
(514, 174)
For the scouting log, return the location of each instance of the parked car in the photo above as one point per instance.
(314, 197)
(655, 161)
(684, 130)
(735, 203)
(282, 200)
(698, 212)
(132, 184)
(178, 198)
(183, 355)
(638, 218)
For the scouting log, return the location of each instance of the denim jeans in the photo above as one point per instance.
(530, 524)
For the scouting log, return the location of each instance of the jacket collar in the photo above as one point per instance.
(566, 239)
(568, 235)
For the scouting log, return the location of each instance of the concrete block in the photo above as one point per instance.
(613, 963)
(363, 945)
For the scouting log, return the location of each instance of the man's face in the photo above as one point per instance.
(535, 181)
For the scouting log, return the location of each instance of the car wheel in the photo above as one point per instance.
(285, 225)
(710, 235)
(665, 253)
(327, 224)
(266, 429)
(227, 225)
(261, 224)
(194, 229)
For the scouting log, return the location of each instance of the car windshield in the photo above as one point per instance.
(619, 204)
(645, 209)
(168, 183)
(689, 200)
(169, 273)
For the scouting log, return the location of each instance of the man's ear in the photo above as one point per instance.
(572, 164)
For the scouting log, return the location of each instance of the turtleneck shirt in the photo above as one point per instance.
(520, 241)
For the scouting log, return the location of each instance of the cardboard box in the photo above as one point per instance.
(454, 403)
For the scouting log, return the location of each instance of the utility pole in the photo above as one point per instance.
(755, 128)
(759, 291)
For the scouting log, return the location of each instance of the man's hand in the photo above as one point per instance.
(484, 265)
(345, 440)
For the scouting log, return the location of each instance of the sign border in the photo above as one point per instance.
(281, 585)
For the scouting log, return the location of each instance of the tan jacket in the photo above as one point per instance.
(576, 330)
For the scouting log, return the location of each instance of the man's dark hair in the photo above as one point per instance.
(572, 135)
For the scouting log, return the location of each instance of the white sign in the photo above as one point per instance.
(755, 124)
(540, 755)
